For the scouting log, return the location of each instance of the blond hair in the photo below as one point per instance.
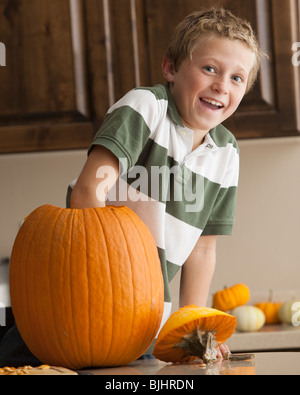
(220, 22)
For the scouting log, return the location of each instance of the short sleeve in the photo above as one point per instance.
(222, 216)
(127, 127)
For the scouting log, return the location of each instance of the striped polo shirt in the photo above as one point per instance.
(179, 194)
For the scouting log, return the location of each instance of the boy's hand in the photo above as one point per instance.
(223, 351)
(92, 187)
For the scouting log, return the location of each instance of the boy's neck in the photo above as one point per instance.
(199, 137)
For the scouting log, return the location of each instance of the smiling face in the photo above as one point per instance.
(208, 88)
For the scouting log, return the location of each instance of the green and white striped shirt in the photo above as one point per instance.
(180, 194)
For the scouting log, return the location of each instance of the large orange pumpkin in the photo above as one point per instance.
(86, 286)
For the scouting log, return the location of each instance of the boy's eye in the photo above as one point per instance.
(210, 69)
(237, 79)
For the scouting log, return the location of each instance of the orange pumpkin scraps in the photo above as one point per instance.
(193, 333)
(86, 286)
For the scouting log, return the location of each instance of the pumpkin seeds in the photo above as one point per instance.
(21, 370)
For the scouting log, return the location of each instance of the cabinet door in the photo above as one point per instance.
(67, 61)
(44, 102)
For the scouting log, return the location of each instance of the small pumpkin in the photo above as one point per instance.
(289, 312)
(270, 310)
(193, 333)
(86, 286)
(249, 318)
(230, 298)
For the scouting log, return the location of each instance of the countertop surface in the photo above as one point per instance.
(270, 337)
(270, 363)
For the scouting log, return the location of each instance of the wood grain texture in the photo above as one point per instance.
(67, 61)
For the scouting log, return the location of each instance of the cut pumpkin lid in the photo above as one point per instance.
(193, 333)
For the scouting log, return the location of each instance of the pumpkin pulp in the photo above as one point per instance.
(199, 344)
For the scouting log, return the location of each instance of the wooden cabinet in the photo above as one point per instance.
(67, 61)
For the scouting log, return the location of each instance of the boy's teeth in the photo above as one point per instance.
(214, 103)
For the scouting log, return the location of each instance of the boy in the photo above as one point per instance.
(211, 63)
(187, 163)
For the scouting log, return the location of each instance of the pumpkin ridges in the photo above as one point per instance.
(118, 342)
(75, 323)
(142, 337)
(65, 324)
(137, 277)
(33, 327)
(89, 224)
(143, 232)
(98, 278)
(70, 277)
(38, 279)
(24, 239)
(108, 310)
(122, 299)
(62, 294)
(105, 284)
(47, 313)
(132, 267)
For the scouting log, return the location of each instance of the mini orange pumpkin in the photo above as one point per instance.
(86, 286)
(193, 332)
(230, 298)
(270, 309)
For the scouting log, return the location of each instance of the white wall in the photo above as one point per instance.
(264, 251)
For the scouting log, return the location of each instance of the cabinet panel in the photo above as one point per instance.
(39, 66)
(67, 61)
(42, 104)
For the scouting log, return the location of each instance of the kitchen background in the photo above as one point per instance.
(68, 60)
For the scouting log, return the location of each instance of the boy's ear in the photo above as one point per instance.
(168, 69)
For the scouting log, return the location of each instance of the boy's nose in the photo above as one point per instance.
(220, 86)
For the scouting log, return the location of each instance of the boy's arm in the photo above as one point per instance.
(197, 272)
(98, 176)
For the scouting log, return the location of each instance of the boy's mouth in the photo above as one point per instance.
(211, 103)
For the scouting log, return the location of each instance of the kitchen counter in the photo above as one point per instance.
(272, 363)
(270, 337)
(136, 374)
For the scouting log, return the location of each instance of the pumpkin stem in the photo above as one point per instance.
(270, 295)
(199, 344)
